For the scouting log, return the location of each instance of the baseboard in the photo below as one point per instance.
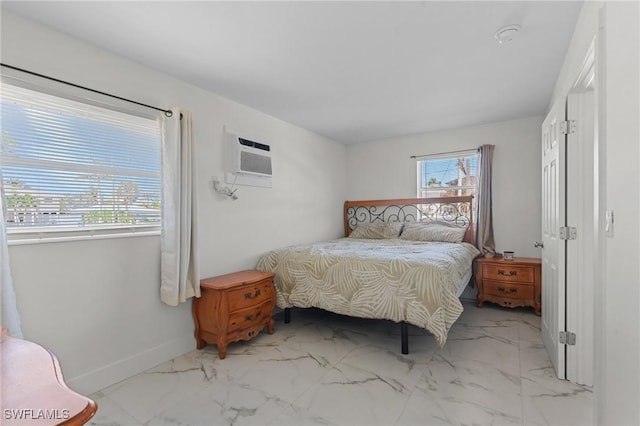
(108, 375)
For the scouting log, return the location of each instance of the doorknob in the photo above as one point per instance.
(538, 244)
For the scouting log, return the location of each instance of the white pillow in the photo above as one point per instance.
(433, 231)
(377, 230)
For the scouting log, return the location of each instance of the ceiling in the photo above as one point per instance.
(352, 71)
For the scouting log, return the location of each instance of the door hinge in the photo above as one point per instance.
(568, 233)
(567, 338)
(568, 127)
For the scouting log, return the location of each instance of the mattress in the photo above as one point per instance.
(393, 279)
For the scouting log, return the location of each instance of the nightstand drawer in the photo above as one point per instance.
(250, 295)
(249, 317)
(503, 289)
(502, 272)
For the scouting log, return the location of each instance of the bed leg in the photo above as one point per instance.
(287, 315)
(404, 334)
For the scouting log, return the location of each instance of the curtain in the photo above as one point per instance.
(178, 243)
(10, 316)
(484, 229)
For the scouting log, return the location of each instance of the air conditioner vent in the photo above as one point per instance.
(262, 146)
(256, 145)
(254, 163)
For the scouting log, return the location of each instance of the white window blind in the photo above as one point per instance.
(70, 165)
(447, 175)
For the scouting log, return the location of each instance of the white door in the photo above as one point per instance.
(553, 250)
(581, 210)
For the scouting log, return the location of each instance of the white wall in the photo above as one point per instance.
(384, 169)
(584, 34)
(617, 321)
(96, 303)
(621, 388)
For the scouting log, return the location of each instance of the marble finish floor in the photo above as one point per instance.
(324, 369)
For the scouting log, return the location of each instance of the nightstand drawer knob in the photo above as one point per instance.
(252, 296)
(507, 273)
(251, 317)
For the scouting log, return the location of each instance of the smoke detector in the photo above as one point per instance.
(506, 34)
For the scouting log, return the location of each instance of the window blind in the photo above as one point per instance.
(68, 164)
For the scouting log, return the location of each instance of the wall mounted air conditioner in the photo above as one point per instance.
(248, 161)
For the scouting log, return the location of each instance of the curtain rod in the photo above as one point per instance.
(167, 112)
(444, 153)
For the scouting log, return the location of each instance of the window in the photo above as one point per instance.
(69, 165)
(447, 175)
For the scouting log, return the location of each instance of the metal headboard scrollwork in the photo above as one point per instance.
(455, 210)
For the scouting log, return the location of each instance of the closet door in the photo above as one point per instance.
(553, 247)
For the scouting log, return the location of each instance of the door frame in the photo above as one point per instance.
(599, 264)
(581, 207)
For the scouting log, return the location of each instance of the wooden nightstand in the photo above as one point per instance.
(233, 307)
(509, 283)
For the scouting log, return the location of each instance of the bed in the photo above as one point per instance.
(404, 260)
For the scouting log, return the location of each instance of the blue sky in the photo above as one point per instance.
(64, 139)
(445, 170)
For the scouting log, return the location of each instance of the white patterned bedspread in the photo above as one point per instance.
(392, 279)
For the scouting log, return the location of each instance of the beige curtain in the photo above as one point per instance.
(178, 243)
(484, 228)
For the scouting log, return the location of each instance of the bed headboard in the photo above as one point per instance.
(456, 210)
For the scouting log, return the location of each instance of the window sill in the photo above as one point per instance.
(17, 236)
